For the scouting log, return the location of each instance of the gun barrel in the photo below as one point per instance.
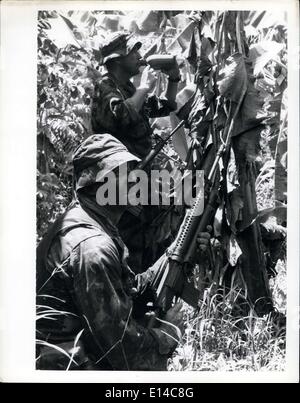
(159, 146)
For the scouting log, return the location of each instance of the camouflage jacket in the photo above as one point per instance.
(86, 291)
(112, 112)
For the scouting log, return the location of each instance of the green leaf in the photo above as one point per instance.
(57, 348)
(262, 53)
(251, 113)
(232, 77)
(61, 32)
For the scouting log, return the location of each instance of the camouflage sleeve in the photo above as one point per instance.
(145, 279)
(106, 306)
(160, 106)
(109, 110)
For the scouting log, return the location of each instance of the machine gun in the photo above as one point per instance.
(175, 276)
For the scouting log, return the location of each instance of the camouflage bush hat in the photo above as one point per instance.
(118, 44)
(96, 156)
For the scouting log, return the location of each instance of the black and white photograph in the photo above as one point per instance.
(162, 214)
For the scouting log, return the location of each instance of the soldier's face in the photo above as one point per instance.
(132, 62)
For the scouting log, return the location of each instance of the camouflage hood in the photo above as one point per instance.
(96, 156)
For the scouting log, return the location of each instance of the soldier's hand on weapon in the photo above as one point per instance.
(148, 78)
(203, 239)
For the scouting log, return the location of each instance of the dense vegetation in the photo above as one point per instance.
(219, 336)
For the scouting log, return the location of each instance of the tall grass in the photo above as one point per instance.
(220, 338)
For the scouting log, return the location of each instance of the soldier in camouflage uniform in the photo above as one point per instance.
(90, 314)
(124, 111)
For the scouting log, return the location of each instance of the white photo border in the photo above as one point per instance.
(18, 77)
